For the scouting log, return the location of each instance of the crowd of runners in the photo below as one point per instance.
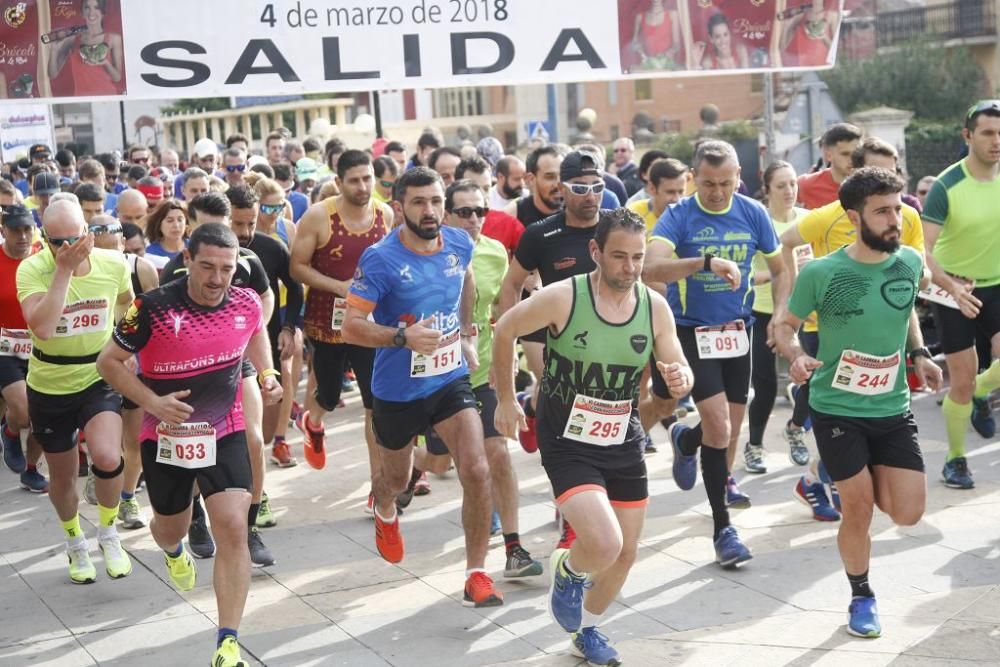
(159, 316)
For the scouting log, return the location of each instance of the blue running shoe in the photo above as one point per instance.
(591, 645)
(495, 524)
(565, 593)
(814, 496)
(982, 418)
(824, 477)
(34, 481)
(730, 551)
(13, 454)
(734, 497)
(956, 474)
(862, 618)
(685, 468)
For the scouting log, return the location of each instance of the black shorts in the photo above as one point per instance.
(127, 403)
(330, 360)
(247, 370)
(957, 332)
(715, 376)
(12, 370)
(849, 444)
(170, 487)
(626, 486)
(397, 423)
(659, 388)
(55, 417)
(486, 403)
(540, 336)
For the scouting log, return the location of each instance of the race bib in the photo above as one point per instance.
(866, 374)
(445, 359)
(938, 295)
(803, 255)
(339, 313)
(15, 343)
(598, 422)
(83, 317)
(722, 342)
(189, 446)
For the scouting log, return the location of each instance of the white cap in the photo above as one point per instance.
(254, 160)
(205, 148)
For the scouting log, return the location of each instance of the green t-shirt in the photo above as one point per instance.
(87, 322)
(860, 307)
(489, 266)
(969, 242)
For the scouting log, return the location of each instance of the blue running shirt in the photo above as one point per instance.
(736, 234)
(398, 284)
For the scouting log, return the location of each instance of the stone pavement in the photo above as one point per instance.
(331, 600)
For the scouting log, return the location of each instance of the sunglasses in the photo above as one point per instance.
(272, 209)
(105, 229)
(140, 160)
(235, 167)
(386, 184)
(583, 189)
(981, 106)
(69, 239)
(466, 212)
(922, 192)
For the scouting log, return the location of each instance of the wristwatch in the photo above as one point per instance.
(708, 261)
(920, 352)
(399, 340)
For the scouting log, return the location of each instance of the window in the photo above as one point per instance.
(643, 90)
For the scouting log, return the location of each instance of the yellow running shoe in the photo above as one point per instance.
(81, 569)
(116, 561)
(182, 570)
(228, 654)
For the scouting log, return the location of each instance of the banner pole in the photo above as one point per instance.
(377, 112)
(121, 110)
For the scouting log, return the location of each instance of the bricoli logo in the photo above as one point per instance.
(16, 16)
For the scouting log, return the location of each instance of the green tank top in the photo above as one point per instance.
(594, 358)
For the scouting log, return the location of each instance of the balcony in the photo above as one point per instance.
(962, 19)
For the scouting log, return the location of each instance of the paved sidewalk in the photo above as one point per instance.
(331, 600)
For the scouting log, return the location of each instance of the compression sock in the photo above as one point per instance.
(988, 380)
(713, 472)
(72, 527)
(690, 440)
(956, 422)
(107, 515)
(252, 514)
(127, 496)
(859, 585)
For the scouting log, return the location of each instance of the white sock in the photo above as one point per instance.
(473, 570)
(106, 531)
(383, 519)
(588, 619)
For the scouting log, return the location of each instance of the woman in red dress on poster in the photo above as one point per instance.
(656, 39)
(723, 52)
(807, 34)
(94, 56)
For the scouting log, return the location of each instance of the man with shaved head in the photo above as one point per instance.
(132, 207)
(71, 295)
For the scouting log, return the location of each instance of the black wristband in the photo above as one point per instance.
(708, 261)
(920, 352)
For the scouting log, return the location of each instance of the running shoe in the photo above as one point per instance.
(798, 453)
(862, 618)
(792, 391)
(389, 539)
(521, 564)
(182, 570)
(565, 592)
(423, 486)
(956, 474)
(13, 453)
(348, 385)
(314, 444)
(260, 555)
(265, 517)
(567, 537)
(648, 446)
(81, 569)
(281, 454)
(591, 645)
(814, 497)
(116, 561)
(495, 526)
(529, 438)
(734, 497)
(685, 468)
(406, 497)
(685, 407)
(228, 654)
(982, 418)
(753, 459)
(200, 539)
(730, 551)
(90, 489)
(479, 591)
(130, 514)
(349, 375)
(295, 417)
(824, 477)
(34, 481)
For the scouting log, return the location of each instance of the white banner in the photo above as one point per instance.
(22, 125)
(194, 48)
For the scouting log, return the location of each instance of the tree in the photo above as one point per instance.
(934, 83)
(197, 105)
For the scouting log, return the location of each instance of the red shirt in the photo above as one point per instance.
(11, 316)
(818, 189)
(504, 228)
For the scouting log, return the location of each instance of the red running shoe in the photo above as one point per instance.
(313, 444)
(568, 536)
(479, 591)
(529, 438)
(388, 539)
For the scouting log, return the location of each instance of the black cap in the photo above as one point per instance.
(579, 163)
(39, 150)
(46, 183)
(17, 216)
